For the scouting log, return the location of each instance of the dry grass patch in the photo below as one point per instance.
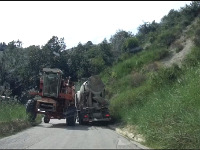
(8, 128)
(178, 46)
(137, 79)
(151, 67)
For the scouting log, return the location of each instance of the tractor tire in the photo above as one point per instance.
(46, 119)
(71, 116)
(30, 110)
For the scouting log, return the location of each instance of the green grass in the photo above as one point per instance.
(170, 117)
(13, 118)
(134, 63)
(11, 111)
(165, 107)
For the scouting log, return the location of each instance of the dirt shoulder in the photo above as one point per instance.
(129, 132)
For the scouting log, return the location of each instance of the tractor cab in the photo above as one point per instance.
(51, 82)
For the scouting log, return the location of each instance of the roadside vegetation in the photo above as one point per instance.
(13, 118)
(162, 103)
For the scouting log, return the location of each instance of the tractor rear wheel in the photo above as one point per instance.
(71, 116)
(30, 109)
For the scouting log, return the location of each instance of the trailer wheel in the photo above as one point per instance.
(71, 116)
(30, 109)
(46, 119)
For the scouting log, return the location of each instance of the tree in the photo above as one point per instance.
(117, 41)
(105, 50)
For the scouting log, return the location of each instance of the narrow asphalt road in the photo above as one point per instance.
(56, 135)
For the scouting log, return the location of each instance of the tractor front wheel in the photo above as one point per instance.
(30, 109)
(71, 116)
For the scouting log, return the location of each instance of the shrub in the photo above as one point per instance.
(123, 57)
(165, 75)
(166, 38)
(131, 43)
(108, 93)
(162, 54)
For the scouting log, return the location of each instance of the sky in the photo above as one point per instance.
(35, 22)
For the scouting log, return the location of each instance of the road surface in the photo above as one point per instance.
(56, 135)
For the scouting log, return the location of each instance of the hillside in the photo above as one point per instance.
(186, 42)
(155, 96)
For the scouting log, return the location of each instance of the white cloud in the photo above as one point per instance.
(35, 22)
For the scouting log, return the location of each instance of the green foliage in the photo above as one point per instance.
(123, 57)
(131, 43)
(136, 62)
(13, 118)
(165, 105)
(106, 53)
(166, 38)
(117, 41)
(173, 120)
(193, 58)
(165, 75)
(148, 27)
(97, 64)
(197, 37)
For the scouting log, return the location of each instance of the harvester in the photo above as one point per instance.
(55, 98)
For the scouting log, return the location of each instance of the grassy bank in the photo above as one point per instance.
(162, 102)
(13, 118)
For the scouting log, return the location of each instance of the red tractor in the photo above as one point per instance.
(55, 98)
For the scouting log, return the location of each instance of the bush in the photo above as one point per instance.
(166, 38)
(161, 54)
(165, 75)
(131, 43)
(108, 93)
(123, 57)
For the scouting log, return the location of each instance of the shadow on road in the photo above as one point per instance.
(64, 126)
(61, 124)
(76, 127)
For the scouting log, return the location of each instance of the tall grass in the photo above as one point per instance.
(165, 107)
(13, 118)
(136, 62)
(10, 111)
(170, 117)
